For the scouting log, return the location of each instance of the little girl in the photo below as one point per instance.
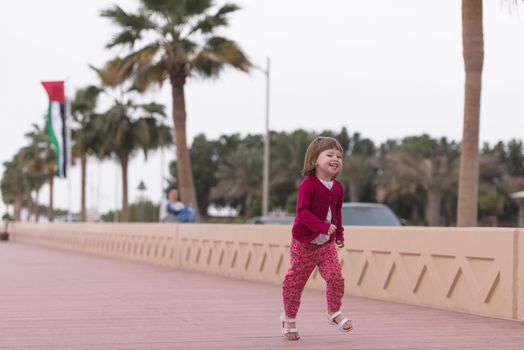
(317, 227)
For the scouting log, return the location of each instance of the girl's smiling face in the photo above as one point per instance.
(328, 164)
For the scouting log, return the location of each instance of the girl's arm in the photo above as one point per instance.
(339, 233)
(304, 213)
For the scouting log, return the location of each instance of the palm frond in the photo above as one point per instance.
(147, 75)
(210, 23)
(152, 109)
(217, 53)
(115, 72)
(195, 7)
(180, 51)
(85, 100)
(125, 37)
(140, 132)
(178, 11)
(227, 8)
(133, 25)
(118, 70)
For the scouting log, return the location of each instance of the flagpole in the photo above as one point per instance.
(265, 166)
(69, 149)
(162, 160)
(115, 218)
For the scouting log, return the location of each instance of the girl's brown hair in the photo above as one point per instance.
(317, 146)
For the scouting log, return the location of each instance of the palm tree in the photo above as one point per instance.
(126, 128)
(39, 162)
(6, 185)
(177, 39)
(34, 173)
(498, 180)
(434, 175)
(86, 137)
(473, 51)
(360, 167)
(13, 185)
(239, 178)
(426, 164)
(24, 158)
(359, 171)
(287, 160)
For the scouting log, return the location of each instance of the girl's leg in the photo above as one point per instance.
(302, 264)
(329, 268)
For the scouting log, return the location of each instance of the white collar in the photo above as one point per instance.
(328, 184)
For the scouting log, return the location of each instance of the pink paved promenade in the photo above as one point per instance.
(51, 299)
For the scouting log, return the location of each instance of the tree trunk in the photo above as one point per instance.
(247, 205)
(433, 207)
(50, 216)
(30, 207)
(353, 192)
(17, 206)
(37, 205)
(185, 180)
(83, 166)
(473, 47)
(124, 215)
(414, 214)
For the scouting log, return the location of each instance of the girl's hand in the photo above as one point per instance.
(340, 244)
(332, 229)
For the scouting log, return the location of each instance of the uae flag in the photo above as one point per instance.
(56, 124)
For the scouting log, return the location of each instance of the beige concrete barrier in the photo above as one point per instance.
(251, 252)
(151, 243)
(518, 275)
(473, 270)
(469, 270)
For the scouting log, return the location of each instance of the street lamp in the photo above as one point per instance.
(141, 188)
(265, 171)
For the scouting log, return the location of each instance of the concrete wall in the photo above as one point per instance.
(473, 270)
(518, 288)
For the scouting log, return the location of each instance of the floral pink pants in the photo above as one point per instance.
(304, 259)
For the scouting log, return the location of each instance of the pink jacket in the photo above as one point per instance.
(312, 208)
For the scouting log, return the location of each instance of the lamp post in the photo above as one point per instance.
(117, 213)
(265, 171)
(141, 188)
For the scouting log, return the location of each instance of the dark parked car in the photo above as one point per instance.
(272, 220)
(353, 214)
(369, 214)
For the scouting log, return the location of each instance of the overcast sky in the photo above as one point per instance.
(386, 69)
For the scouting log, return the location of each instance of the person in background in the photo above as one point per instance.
(173, 210)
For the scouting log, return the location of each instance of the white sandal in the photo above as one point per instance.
(285, 330)
(341, 324)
